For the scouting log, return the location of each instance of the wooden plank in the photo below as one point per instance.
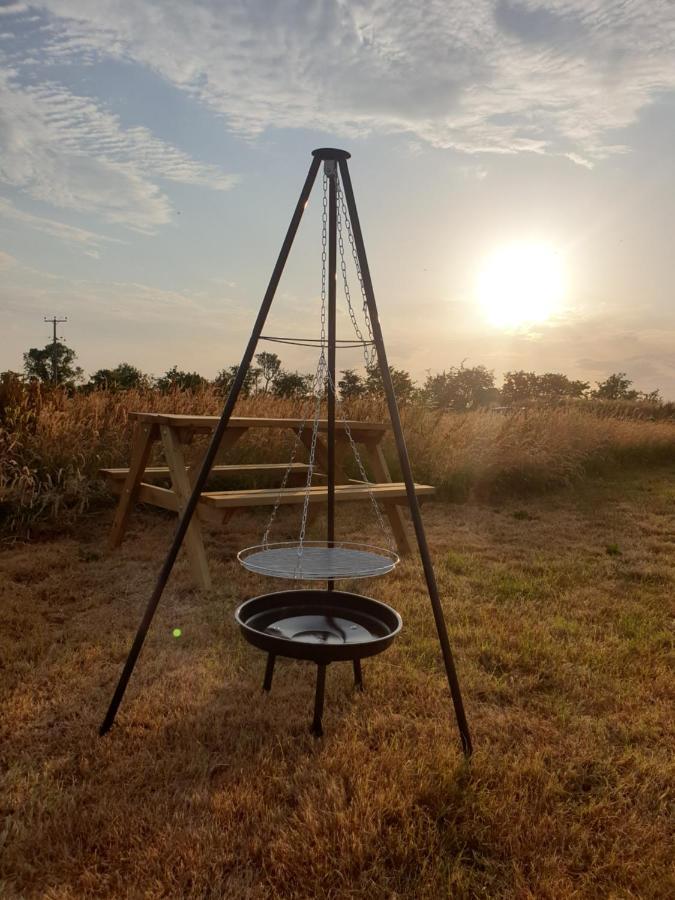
(158, 496)
(144, 435)
(393, 510)
(320, 452)
(163, 471)
(209, 422)
(166, 499)
(180, 481)
(317, 494)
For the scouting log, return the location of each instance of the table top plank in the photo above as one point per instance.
(317, 493)
(295, 467)
(200, 423)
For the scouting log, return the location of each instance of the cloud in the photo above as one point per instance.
(89, 241)
(556, 76)
(10, 9)
(6, 260)
(70, 152)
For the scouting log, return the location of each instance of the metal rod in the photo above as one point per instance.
(358, 675)
(216, 439)
(317, 726)
(331, 170)
(406, 470)
(269, 672)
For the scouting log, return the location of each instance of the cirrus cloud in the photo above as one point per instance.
(557, 76)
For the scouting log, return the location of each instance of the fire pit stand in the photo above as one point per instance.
(330, 559)
(319, 626)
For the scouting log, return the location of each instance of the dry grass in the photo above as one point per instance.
(52, 445)
(560, 612)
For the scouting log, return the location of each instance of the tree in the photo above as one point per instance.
(225, 378)
(528, 387)
(351, 385)
(651, 397)
(461, 388)
(123, 377)
(519, 387)
(292, 384)
(615, 387)
(270, 366)
(404, 386)
(555, 386)
(176, 380)
(40, 364)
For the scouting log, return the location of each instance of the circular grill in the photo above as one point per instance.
(318, 560)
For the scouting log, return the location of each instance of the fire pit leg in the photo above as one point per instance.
(269, 671)
(316, 728)
(358, 675)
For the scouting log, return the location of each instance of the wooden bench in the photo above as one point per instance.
(135, 482)
(317, 493)
(115, 476)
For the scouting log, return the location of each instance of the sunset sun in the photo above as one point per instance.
(520, 284)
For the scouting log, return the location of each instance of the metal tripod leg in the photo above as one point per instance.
(317, 729)
(406, 469)
(210, 455)
(269, 672)
(358, 675)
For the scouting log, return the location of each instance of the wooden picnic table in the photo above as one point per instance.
(175, 432)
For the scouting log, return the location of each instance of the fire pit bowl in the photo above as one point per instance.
(319, 626)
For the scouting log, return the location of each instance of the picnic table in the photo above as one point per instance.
(175, 432)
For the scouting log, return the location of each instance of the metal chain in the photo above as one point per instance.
(369, 349)
(362, 470)
(317, 390)
(284, 482)
(324, 267)
(322, 376)
(322, 367)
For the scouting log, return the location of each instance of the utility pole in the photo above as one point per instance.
(55, 354)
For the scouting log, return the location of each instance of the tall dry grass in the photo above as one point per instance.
(52, 444)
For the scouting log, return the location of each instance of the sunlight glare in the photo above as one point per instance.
(521, 284)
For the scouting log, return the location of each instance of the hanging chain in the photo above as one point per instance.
(369, 349)
(322, 377)
(324, 266)
(321, 370)
(317, 390)
(284, 482)
(364, 476)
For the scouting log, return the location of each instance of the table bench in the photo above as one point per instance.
(174, 432)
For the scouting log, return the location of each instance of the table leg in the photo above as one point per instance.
(180, 483)
(393, 510)
(144, 436)
(342, 451)
(321, 454)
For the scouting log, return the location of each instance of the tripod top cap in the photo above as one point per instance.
(330, 153)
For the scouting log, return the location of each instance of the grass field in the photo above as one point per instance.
(560, 613)
(52, 444)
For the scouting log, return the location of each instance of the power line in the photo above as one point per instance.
(55, 353)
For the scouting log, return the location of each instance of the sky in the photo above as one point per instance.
(152, 151)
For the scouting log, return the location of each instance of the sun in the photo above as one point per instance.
(521, 284)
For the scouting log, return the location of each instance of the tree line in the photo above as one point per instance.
(458, 388)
